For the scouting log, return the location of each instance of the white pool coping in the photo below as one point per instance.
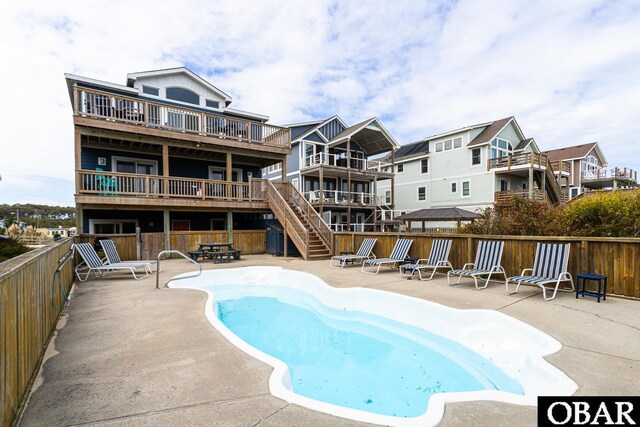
(513, 346)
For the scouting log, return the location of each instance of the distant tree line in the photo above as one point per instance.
(38, 216)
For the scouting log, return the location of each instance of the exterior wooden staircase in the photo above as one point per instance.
(554, 192)
(309, 233)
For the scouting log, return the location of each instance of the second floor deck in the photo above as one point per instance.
(340, 165)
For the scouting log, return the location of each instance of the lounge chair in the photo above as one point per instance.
(92, 263)
(438, 258)
(110, 250)
(487, 262)
(364, 252)
(550, 266)
(398, 254)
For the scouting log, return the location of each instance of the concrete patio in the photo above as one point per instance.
(127, 354)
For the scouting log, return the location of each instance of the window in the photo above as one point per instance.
(454, 187)
(457, 143)
(500, 148)
(438, 146)
(150, 90)
(590, 167)
(504, 185)
(387, 197)
(424, 166)
(112, 226)
(183, 95)
(212, 104)
(574, 192)
(466, 189)
(475, 156)
(422, 194)
(400, 168)
(447, 144)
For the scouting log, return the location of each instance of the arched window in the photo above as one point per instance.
(183, 95)
(500, 148)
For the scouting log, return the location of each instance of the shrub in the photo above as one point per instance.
(611, 214)
(10, 248)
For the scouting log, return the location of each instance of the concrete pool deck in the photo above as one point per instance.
(127, 354)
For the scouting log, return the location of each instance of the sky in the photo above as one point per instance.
(569, 71)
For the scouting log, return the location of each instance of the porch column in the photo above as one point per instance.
(543, 180)
(393, 172)
(284, 168)
(321, 177)
(79, 219)
(165, 170)
(349, 184)
(229, 226)
(530, 183)
(375, 201)
(167, 229)
(228, 176)
(78, 160)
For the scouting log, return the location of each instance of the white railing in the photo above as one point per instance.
(120, 108)
(602, 173)
(341, 160)
(340, 197)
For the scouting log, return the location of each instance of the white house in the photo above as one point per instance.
(471, 168)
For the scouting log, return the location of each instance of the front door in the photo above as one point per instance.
(359, 225)
(504, 185)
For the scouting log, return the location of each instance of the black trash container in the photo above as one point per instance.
(275, 240)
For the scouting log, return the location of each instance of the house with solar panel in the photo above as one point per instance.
(583, 168)
(471, 168)
(338, 169)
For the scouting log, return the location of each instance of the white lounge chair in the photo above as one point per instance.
(92, 263)
(398, 254)
(364, 252)
(438, 258)
(488, 257)
(110, 250)
(550, 266)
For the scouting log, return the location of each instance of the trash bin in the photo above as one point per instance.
(275, 240)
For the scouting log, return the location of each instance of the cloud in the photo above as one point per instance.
(566, 70)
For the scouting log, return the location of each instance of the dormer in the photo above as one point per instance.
(179, 86)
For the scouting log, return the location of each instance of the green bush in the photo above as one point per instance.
(613, 214)
(10, 248)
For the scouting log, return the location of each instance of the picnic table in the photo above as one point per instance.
(218, 252)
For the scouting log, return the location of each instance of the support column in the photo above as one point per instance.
(78, 160)
(79, 219)
(229, 226)
(167, 229)
(321, 178)
(228, 176)
(393, 171)
(375, 202)
(284, 168)
(165, 170)
(530, 183)
(543, 181)
(349, 184)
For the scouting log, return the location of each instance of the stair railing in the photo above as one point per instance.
(287, 218)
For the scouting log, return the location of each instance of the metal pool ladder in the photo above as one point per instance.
(172, 251)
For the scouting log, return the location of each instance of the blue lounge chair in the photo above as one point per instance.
(550, 266)
(364, 252)
(398, 254)
(93, 263)
(438, 258)
(110, 250)
(488, 257)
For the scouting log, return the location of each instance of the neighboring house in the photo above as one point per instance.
(340, 160)
(52, 232)
(470, 168)
(587, 168)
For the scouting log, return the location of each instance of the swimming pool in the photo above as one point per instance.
(376, 356)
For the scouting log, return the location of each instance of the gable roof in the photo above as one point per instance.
(524, 143)
(575, 152)
(318, 124)
(370, 135)
(131, 77)
(438, 214)
(491, 131)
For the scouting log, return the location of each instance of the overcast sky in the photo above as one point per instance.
(569, 71)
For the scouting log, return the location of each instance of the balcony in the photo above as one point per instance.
(342, 198)
(502, 198)
(610, 178)
(342, 162)
(561, 167)
(114, 188)
(519, 161)
(132, 111)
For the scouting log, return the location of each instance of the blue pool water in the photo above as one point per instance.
(358, 360)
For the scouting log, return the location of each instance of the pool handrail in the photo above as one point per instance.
(176, 252)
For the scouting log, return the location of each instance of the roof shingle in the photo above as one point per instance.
(573, 152)
(489, 132)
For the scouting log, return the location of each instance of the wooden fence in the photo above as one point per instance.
(618, 259)
(27, 318)
(125, 243)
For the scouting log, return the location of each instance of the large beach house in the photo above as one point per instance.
(472, 167)
(166, 152)
(336, 168)
(585, 168)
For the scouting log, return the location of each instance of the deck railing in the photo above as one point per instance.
(502, 197)
(341, 197)
(561, 165)
(342, 161)
(139, 185)
(536, 160)
(120, 108)
(625, 173)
